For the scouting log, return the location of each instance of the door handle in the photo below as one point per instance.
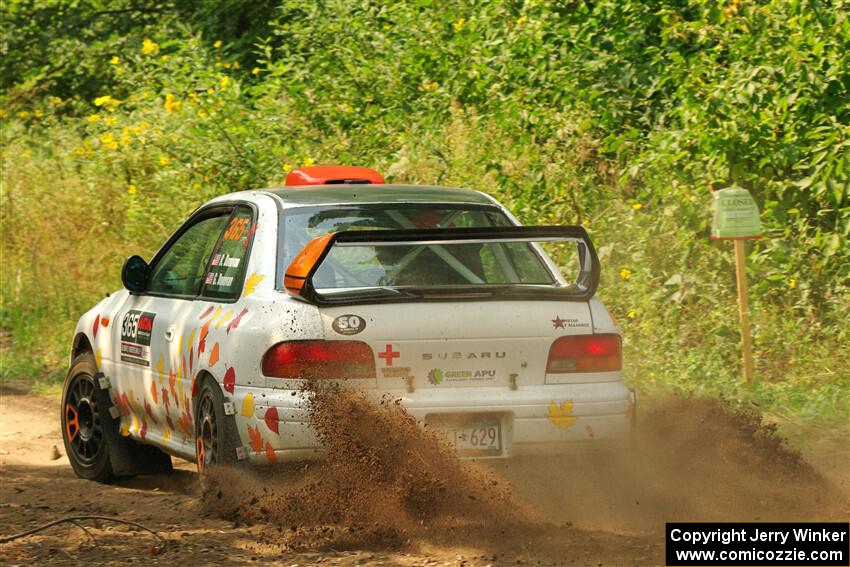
(169, 334)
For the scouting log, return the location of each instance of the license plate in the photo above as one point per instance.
(470, 437)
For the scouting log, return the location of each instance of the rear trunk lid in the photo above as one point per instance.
(458, 344)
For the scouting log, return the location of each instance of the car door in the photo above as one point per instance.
(200, 329)
(150, 382)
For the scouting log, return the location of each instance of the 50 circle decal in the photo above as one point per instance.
(348, 324)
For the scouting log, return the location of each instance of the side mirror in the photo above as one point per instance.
(134, 274)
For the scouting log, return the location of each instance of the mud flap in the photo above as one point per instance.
(230, 437)
(128, 458)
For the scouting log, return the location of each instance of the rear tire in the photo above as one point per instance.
(213, 445)
(82, 427)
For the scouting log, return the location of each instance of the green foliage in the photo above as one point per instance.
(120, 118)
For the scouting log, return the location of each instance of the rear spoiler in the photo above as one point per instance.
(298, 278)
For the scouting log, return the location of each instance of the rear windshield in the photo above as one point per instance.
(406, 265)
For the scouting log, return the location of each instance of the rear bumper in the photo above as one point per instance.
(533, 419)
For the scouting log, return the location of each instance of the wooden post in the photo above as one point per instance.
(744, 310)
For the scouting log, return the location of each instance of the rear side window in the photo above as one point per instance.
(226, 270)
(179, 271)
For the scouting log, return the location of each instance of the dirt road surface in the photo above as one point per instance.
(692, 461)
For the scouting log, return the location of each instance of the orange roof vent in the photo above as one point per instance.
(333, 174)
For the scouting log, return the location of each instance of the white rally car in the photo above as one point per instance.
(489, 332)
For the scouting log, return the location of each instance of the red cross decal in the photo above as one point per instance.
(389, 355)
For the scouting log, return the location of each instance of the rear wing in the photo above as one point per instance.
(299, 278)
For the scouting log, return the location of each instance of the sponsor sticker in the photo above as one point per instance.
(348, 324)
(136, 332)
(396, 372)
(437, 376)
(569, 322)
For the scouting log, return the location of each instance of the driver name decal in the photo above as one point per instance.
(136, 330)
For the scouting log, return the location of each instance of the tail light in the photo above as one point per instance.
(585, 353)
(320, 360)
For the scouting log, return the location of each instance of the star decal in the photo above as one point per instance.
(559, 323)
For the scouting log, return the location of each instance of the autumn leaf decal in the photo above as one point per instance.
(252, 282)
(214, 355)
(561, 416)
(270, 453)
(256, 438)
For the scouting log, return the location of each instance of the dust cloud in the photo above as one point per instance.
(692, 459)
(383, 481)
(387, 483)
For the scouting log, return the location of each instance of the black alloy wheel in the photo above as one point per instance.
(82, 429)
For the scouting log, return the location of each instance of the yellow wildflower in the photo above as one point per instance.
(149, 47)
(164, 58)
(164, 161)
(386, 27)
(38, 113)
(196, 186)
(210, 90)
(430, 86)
(308, 162)
(585, 223)
(236, 65)
(792, 282)
(56, 101)
(625, 273)
(106, 101)
(23, 115)
(202, 113)
(140, 128)
(227, 65)
(93, 117)
(224, 81)
(217, 43)
(108, 141)
(631, 314)
(458, 25)
(171, 104)
(114, 60)
(287, 167)
(131, 189)
(255, 71)
(84, 151)
(637, 206)
(126, 138)
(193, 97)
(110, 121)
(521, 20)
